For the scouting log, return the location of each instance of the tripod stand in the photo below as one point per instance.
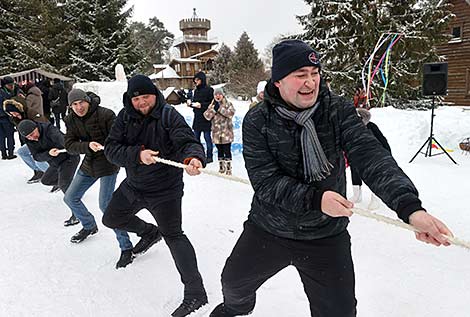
(431, 138)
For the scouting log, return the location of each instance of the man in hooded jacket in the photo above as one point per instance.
(148, 127)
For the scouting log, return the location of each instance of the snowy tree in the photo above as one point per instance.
(246, 68)
(153, 40)
(221, 66)
(345, 33)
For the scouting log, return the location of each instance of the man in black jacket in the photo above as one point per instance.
(145, 128)
(88, 125)
(203, 96)
(46, 144)
(293, 145)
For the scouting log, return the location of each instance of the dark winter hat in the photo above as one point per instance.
(76, 95)
(290, 55)
(26, 127)
(8, 80)
(140, 85)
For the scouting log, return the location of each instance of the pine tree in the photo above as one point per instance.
(221, 66)
(153, 40)
(246, 68)
(345, 33)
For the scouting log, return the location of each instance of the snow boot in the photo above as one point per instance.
(71, 221)
(228, 167)
(357, 194)
(36, 177)
(188, 306)
(126, 258)
(83, 234)
(54, 189)
(147, 241)
(222, 166)
(374, 202)
(222, 311)
(209, 160)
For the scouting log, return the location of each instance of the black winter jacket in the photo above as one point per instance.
(283, 203)
(58, 91)
(50, 137)
(204, 95)
(94, 126)
(133, 132)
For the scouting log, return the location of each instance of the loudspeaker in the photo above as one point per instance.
(435, 79)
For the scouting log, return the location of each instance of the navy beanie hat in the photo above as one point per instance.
(140, 85)
(290, 55)
(25, 127)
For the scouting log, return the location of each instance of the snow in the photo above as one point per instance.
(43, 274)
(168, 72)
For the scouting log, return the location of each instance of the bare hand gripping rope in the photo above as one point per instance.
(358, 211)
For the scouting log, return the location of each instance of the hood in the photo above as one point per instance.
(203, 79)
(34, 91)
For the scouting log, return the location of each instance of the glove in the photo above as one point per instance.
(216, 106)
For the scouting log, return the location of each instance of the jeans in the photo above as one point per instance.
(325, 267)
(121, 213)
(28, 159)
(73, 198)
(208, 139)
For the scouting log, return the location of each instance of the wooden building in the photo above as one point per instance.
(457, 53)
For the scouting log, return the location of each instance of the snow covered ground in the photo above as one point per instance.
(43, 274)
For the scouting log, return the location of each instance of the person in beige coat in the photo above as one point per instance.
(220, 112)
(33, 101)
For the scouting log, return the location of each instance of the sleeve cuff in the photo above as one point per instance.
(406, 209)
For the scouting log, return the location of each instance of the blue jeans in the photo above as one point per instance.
(73, 198)
(208, 139)
(26, 156)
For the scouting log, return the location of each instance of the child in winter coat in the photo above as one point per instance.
(220, 112)
(356, 178)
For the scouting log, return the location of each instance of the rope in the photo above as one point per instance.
(358, 211)
(203, 170)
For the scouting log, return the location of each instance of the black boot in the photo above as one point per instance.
(222, 311)
(209, 160)
(126, 258)
(54, 189)
(11, 157)
(147, 241)
(36, 177)
(71, 221)
(188, 306)
(83, 234)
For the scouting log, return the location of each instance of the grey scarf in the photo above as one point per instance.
(316, 165)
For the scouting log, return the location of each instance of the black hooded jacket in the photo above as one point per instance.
(94, 126)
(50, 137)
(204, 95)
(133, 132)
(283, 203)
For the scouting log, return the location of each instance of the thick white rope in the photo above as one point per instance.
(361, 212)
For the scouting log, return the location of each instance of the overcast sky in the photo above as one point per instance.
(261, 19)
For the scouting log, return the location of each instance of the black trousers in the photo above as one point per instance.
(224, 151)
(121, 214)
(325, 268)
(355, 177)
(61, 175)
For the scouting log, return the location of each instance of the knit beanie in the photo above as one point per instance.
(77, 95)
(8, 80)
(140, 85)
(290, 55)
(219, 91)
(260, 87)
(25, 127)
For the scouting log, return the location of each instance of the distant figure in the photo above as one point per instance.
(259, 93)
(44, 85)
(120, 73)
(360, 97)
(220, 113)
(8, 90)
(58, 100)
(364, 114)
(202, 97)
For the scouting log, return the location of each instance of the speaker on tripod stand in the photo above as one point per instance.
(434, 84)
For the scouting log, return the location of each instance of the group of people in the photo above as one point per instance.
(294, 145)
